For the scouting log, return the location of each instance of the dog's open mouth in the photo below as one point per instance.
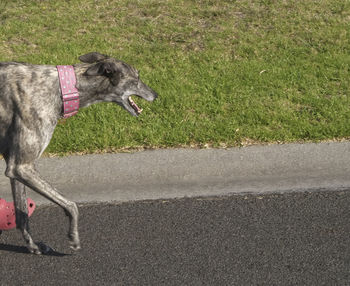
(132, 103)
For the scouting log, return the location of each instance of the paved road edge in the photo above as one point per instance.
(174, 173)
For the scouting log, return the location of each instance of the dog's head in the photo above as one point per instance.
(124, 81)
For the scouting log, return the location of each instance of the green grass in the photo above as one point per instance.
(227, 72)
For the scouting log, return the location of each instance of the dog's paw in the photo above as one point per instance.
(74, 242)
(34, 249)
(75, 247)
(40, 248)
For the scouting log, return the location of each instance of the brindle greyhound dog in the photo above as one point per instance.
(30, 106)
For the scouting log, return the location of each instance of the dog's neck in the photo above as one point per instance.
(90, 90)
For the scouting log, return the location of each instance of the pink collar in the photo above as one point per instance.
(70, 94)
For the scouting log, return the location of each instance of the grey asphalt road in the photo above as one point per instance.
(261, 215)
(298, 238)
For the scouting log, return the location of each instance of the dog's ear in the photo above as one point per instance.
(102, 68)
(93, 57)
(108, 69)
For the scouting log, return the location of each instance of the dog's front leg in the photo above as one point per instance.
(22, 221)
(26, 174)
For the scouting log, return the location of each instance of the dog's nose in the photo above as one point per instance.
(155, 95)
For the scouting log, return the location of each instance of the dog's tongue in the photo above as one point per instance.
(137, 109)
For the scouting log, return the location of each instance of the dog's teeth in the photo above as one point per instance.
(134, 106)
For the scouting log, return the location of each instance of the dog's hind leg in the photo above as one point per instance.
(22, 220)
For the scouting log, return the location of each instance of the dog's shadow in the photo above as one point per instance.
(24, 250)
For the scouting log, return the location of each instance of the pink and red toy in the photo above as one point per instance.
(8, 216)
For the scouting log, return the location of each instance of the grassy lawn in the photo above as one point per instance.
(227, 72)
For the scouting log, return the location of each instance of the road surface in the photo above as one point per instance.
(297, 238)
